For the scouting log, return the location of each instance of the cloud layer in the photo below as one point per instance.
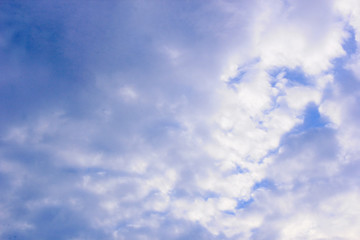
(179, 120)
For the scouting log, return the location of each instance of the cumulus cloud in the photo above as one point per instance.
(179, 120)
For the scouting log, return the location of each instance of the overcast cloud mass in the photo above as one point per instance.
(135, 120)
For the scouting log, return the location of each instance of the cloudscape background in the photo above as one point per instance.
(180, 119)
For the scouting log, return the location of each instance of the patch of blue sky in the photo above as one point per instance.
(242, 70)
(244, 203)
(239, 169)
(229, 212)
(275, 72)
(349, 81)
(265, 183)
(62, 223)
(312, 119)
(349, 44)
(210, 194)
(271, 152)
(295, 76)
(350, 47)
(274, 104)
(237, 78)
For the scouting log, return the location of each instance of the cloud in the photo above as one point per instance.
(179, 120)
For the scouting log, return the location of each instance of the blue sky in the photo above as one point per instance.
(179, 119)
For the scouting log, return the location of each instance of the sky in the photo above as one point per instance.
(206, 120)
